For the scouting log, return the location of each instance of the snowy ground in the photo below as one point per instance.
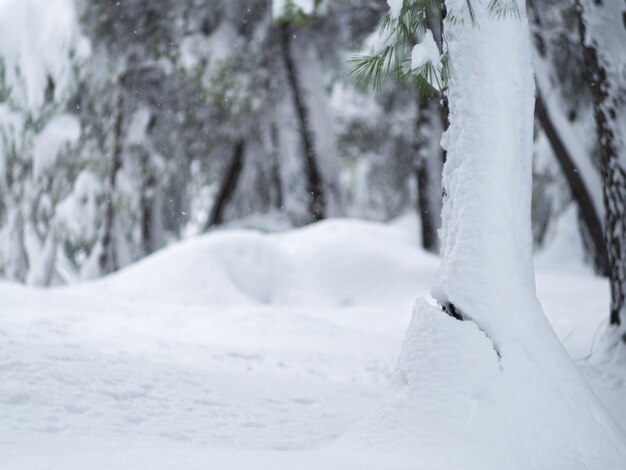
(230, 350)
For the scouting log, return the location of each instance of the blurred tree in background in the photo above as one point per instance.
(126, 124)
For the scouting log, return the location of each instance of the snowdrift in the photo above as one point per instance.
(240, 350)
(458, 404)
(338, 262)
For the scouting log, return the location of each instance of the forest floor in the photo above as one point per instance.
(221, 351)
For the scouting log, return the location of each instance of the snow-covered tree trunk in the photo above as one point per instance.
(487, 265)
(603, 35)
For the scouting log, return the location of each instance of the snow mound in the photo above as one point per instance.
(457, 403)
(241, 350)
(332, 263)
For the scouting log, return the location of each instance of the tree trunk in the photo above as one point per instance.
(432, 121)
(576, 166)
(578, 189)
(175, 197)
(487, 178)
(428, 166)
(277, 182)
(228, 186)
(107, 260)
(315, 186)
(603, 46)
(148, 194)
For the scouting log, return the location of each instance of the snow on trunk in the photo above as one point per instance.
(496, 391)
(487, 265)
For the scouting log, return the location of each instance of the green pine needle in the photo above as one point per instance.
(374, 69)
(400, 34)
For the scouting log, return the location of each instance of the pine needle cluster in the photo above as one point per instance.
(399, 34)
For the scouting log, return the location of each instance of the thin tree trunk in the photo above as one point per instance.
(176, 195)
(146, 226)
(604, 80)
(425, 209)
(107, 260)
(578, 189)
(147, 209)
(276, 175)
(315, 186)
(432, 121)
(428, 166)
(228, 186)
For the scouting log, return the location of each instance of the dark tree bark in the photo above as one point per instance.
(107, 261)
(580, 194)
(430, 240)
(315, 185)
(428, 168)
(432, 121)
(276, 175)
(148, 193)
(228, 186)
(606, 91)
(146, 226)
